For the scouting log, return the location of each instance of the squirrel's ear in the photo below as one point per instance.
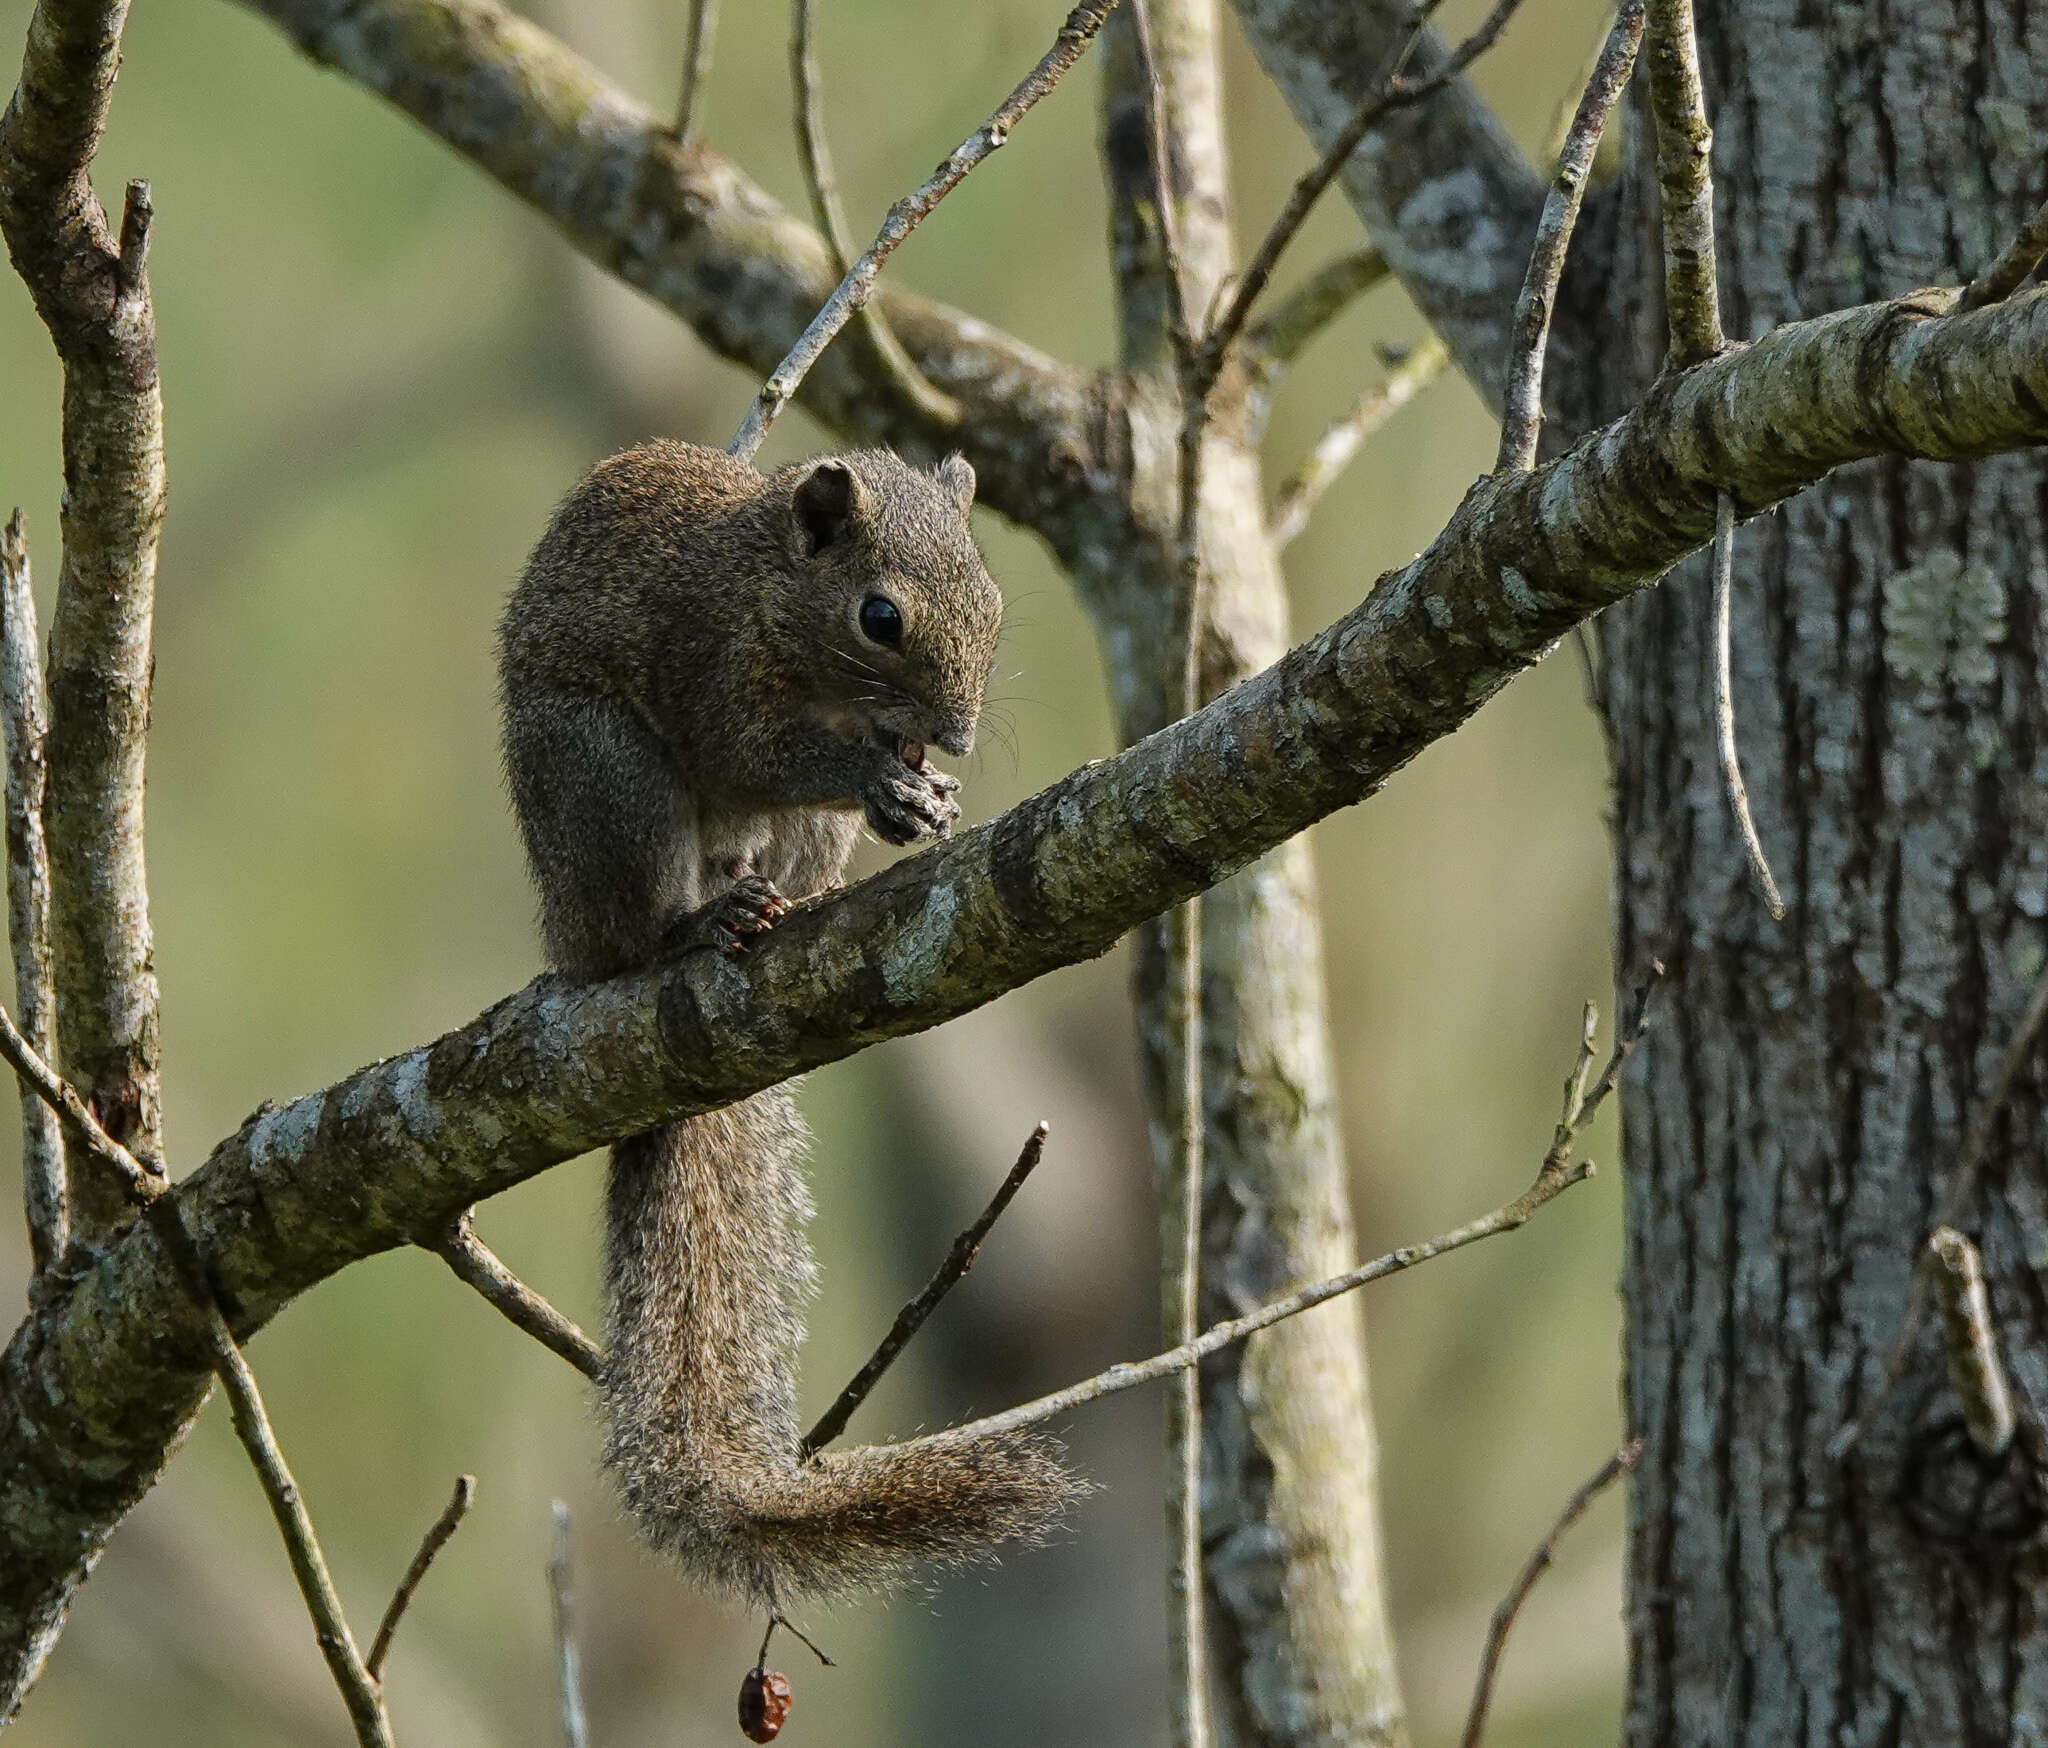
(825, 504)
(956, 474)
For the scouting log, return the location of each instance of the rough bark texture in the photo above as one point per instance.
(91, 289)
(98, 1386)
(1301, 1649)
(1792, 1126)
(1446, 196)
(686, 226)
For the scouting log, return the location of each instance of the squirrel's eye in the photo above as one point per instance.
(880, 622)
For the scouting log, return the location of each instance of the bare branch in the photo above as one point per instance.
(1303, 489)
(1549, 1185)
(139, 1183)
(693, 233)
(1388, 93)
(1539, 1563)
(1439, 185)
(44, 1186)
(405, 1145)
(1724, 708)
(912, 1317)
(1558, 1173)
(907, 214)
(1685, 177)
(436, 1538)
(477, 1266)
(568, 1660)
(92, 292)
(696, 67)
(1974, 1368)
(2013, 268)
(359, 1691)
(816, 157)
(1522, 413)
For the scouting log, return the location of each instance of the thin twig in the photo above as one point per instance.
(1278, 339)
(431, 1544)
(816, 157)
(2012, 269)
(1558, 1173)
(475, 1265)
(1334, 451)
(138, 1182)
(1185, 1175)
(1724, 706)
(1384, 95)
(568, 1661)
(1955, 1208)
(1974, 1368)
(45, 1189)
(359, 1690)
(907, 214)
(1538, 1563)
(966, 1248)
(696, 66)
(1685, 178)
(1522, 407)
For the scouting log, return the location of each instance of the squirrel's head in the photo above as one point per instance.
(890, 587)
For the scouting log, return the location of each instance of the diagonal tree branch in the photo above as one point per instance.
(1521, 426)
(91, 289)
(98, 1386)
(815, 152)
(684, 225)
(1443, 192)
(857, 284)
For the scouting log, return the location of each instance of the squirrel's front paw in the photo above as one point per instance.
(749, 907)
(911, 802)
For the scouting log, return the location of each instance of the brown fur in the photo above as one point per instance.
(692, 713)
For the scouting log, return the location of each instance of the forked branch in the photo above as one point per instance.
(912, 1317)
(1558, 1173)
(815, 154)
(1522, 412)
(90, 284)
(907, 214)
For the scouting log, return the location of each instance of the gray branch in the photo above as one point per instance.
(857, 284)
(91, 289)
(685, 226)
(44, 1186)
(98, 1386)
(1441, 189)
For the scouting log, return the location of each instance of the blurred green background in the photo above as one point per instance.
(380, 373)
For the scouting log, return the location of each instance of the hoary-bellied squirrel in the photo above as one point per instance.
(709, 676)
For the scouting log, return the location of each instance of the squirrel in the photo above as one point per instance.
(709, 677)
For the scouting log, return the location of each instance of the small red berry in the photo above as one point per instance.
(764, 1703)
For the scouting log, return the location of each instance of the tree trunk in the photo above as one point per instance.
(1301, 1650)
(1794, 1119)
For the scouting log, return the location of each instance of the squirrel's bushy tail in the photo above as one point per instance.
(707, 1270)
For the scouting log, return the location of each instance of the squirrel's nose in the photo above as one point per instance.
(956, 737)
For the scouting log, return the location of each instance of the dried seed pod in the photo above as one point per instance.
(764, 1703)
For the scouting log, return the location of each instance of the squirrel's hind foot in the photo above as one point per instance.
(751, 906)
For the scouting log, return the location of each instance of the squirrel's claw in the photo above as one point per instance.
(750, 906)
